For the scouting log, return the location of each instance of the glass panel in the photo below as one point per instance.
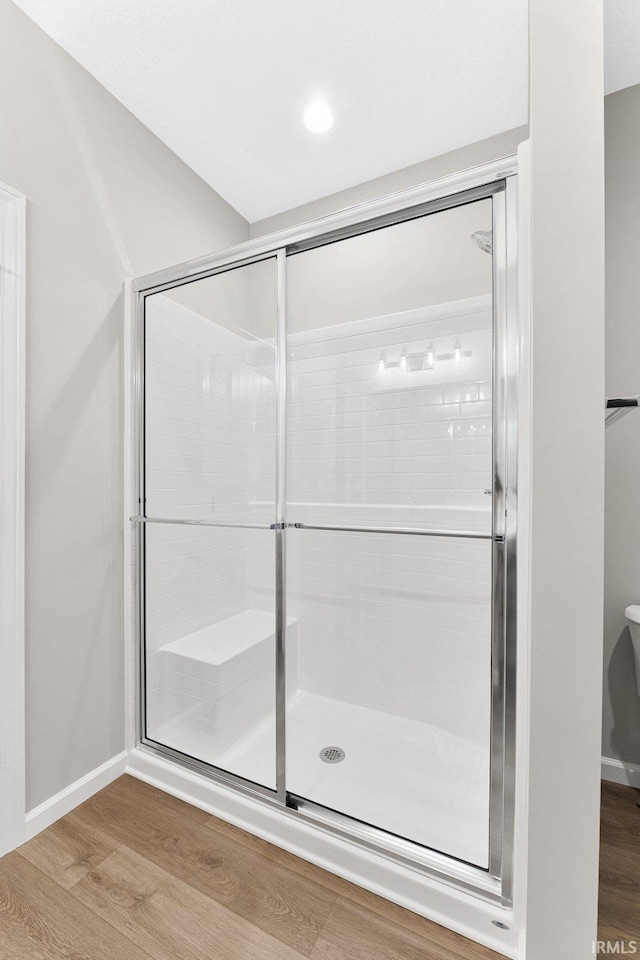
(389, 650)
(390, 368)
(390, 425)
(210, 454)
(210, 646)
(210, 397)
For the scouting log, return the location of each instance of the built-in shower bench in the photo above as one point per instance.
(218, 682)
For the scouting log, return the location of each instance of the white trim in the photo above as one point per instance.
(523, 629)
(130, 508)
(12, 426)
(616, 771)
(76, 793)
(465, 913)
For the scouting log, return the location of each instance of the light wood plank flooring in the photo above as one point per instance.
(134, 874)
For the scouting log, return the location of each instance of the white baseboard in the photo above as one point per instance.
(463, 912)
(619, 772)
(76, 793)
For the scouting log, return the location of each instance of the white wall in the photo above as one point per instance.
(425, 261)
(567, 478)
(106, 200)
(621, 714)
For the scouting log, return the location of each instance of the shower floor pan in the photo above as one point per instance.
(413, 779)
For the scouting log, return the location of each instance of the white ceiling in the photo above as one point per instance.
(621, 44)
(224, 83)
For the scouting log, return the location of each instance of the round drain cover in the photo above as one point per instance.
(332, 754)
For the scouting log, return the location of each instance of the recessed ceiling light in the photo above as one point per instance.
(318, 118)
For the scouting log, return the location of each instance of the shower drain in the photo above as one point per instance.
(332, 754)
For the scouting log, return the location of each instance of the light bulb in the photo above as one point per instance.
(430, 357)
(318, 118)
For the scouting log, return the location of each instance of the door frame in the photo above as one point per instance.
(495, 884)
(12, 480)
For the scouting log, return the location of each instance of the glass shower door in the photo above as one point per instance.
(209, 451)
(390, 370)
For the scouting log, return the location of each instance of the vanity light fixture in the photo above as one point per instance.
(420, 361)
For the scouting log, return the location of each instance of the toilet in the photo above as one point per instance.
(633, 617)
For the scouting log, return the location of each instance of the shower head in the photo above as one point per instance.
(484, 240)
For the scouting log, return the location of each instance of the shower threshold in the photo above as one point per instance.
(444, 800)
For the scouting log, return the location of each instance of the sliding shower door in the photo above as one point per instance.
(389, 540)
(326, 525)
(209, 429)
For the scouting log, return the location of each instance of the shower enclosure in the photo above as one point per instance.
(326, 522)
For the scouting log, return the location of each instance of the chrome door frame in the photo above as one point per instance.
(499, 181)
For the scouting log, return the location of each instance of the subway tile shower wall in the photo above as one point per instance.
(210, 417)
(399, 624)
(210, 440)
(390, 424)
(370, 422)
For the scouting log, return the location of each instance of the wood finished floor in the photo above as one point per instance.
(134, 874)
